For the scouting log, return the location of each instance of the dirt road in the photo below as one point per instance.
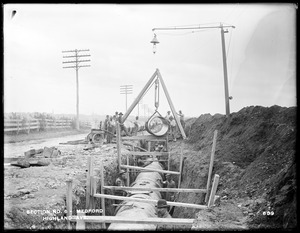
(17, 149)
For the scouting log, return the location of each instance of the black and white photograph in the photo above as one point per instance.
(149, 117)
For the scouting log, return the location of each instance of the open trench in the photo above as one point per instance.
(129, 208)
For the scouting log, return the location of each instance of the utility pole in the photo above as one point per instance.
(126, 89)
(227, 97)
(76, 63)
(225, 70)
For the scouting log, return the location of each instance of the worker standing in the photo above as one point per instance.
(105, 126)
(162, 212)
(122, 126)
(120, 181)
(173, 128)
(114, 124)
(168, 183)
(110, 130)
(181, 115)
(136, 126)
(168, 116)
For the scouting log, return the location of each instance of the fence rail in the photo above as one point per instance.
(18, 125)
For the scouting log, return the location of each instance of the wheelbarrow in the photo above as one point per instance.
(96, 136)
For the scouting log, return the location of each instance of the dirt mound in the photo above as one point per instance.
(255, 158)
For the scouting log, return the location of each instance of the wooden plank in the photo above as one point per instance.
(120, 219)
(211, 164)
(69, 203)
(213, 191)
(145, 137)
(150, 170)
(150, 153)
(134, 146)
(157, 189)
(170, 203)
(80, 222)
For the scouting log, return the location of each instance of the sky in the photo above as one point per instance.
(260, 55)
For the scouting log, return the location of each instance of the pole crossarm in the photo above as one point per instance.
(188, 28)
(75, 50)
(87, 55)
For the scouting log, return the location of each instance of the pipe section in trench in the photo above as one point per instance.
(135, 210)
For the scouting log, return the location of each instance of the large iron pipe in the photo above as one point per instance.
(157, 126)
(130, 209)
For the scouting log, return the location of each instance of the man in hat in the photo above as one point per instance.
(168, 116)
(162, 212)
(120, 181)
(169, 183)
(122, 126)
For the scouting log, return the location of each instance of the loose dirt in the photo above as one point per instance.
(255, 158)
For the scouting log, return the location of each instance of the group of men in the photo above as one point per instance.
(110, 125)
(172, 122)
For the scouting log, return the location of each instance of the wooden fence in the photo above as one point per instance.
(18, 125)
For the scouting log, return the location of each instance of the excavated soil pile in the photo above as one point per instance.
(255, 158)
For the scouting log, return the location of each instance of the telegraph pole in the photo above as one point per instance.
(227, 97)
(76, 63)
(126, 89)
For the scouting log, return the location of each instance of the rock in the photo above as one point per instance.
(29, 154)
(54, 153)
(24, 197)
(24, 191)
(47, 152)
(22, 163)
(43, 162)
(30, 195)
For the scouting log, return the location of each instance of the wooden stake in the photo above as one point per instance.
(169, 157)
(211, 164)
(102, 189)
(118, 140)
(92, 192)
(180, 167)
(90, 169)
(213, 191)
(80, 222)
(69, 203)
(127, 169)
